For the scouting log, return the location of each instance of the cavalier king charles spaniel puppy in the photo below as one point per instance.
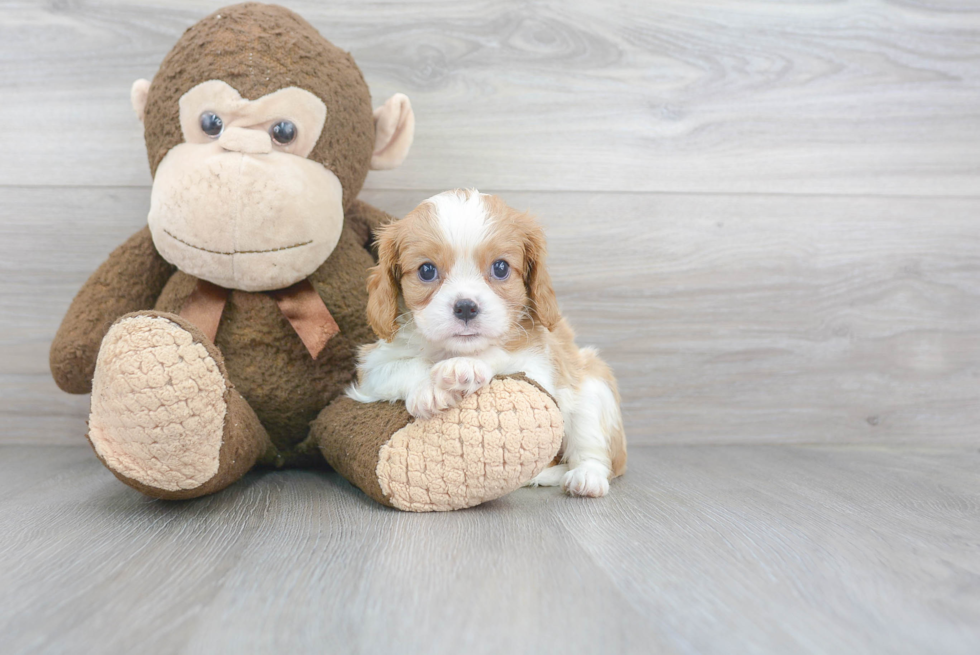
(461, 294)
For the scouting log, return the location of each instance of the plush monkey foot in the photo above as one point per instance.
(164, 418)
(493, 442)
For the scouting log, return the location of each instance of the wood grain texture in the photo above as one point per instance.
(727, 319)
(707, 96)
(697, 550)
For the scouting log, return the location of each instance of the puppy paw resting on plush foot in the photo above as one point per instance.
(461, 374)
(428, 400)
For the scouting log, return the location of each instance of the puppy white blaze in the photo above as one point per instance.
(463, 219)
(465, 224)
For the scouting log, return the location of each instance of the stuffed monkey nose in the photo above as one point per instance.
(246, 141)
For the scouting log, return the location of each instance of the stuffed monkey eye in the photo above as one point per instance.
(283, 132)
(500, 270)
(428, 272)
(211, 124)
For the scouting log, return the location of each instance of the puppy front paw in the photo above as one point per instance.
(461, 374)
(589, 479)
(428, 400)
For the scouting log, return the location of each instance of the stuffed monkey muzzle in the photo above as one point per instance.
(239, 203)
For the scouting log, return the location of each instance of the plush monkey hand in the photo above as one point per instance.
(130, 280)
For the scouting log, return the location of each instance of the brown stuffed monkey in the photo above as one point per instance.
(223, 335)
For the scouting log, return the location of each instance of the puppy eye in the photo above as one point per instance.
(211, 124)
(428, 272)
(500, 269)
(283, 132)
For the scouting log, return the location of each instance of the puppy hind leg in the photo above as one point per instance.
(550, 477)
(587, 449)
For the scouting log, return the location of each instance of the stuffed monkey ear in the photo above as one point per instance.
(137, 96)
(382, 306)
(394, 129)
(544, 304)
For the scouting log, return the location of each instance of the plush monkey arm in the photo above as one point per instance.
(364, 220)
(130, 280)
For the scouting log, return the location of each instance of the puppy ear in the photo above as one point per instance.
(544, 304)
(382, 306)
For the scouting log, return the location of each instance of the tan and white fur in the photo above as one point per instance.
(448, 336)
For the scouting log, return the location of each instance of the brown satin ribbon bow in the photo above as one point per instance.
(300, 304)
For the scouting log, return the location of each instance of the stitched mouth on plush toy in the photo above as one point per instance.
(235, 252)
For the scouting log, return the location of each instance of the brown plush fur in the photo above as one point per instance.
(350, 435)
(259, 49)
(130, 280)
(266, 360)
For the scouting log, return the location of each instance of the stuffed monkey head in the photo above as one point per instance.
(260, 134)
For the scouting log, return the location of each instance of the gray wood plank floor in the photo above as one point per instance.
(699, 549)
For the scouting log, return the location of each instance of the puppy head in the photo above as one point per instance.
(469, 268)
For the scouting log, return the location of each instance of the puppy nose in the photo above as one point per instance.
(465, 310)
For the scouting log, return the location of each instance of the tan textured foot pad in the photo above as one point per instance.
(158, 404)
(492, 443)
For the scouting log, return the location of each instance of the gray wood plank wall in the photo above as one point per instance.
(766, 214)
